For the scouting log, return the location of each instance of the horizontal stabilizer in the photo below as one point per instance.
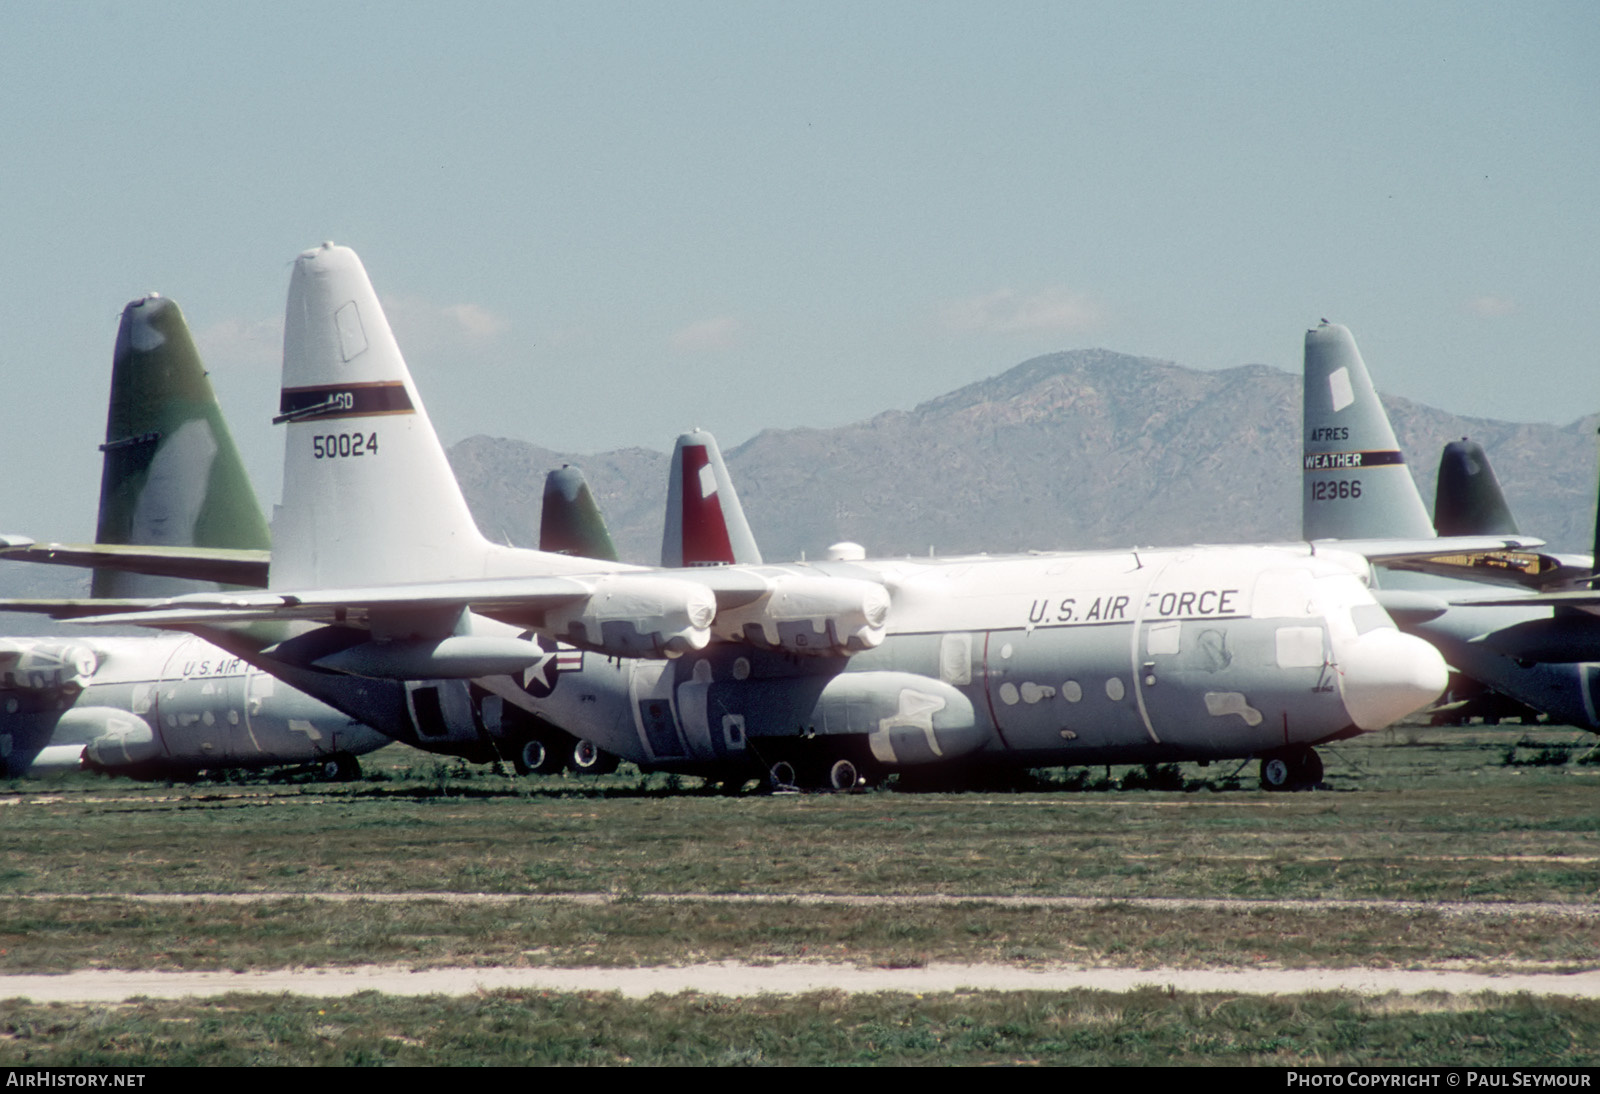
(220, 565)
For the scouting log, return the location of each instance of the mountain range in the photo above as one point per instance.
(1082, 449)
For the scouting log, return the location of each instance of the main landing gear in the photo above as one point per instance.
(547, 751)
(341, 767)
(1291, 769)
(841, 774)
(539, 754)
(588, 758)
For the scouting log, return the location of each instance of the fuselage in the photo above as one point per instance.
(154, 705)
(1040, 660)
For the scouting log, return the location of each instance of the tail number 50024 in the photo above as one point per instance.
(332, 446)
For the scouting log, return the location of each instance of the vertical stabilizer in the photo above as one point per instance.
(1356, 482)
(1469, 501)
(570, 522)
(705, 522)
(172, 476)
(368, 495)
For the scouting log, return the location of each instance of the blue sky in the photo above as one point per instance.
(598, 224)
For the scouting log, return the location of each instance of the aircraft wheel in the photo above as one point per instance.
(844, 775)
(1298, 769)
(341, 767)
(1275, 773)
(588, 758)
(536, 756)
(782, 776)
(1308, 769)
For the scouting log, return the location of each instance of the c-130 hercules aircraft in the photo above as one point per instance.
(827, 673)
(173, 495)
(1536, 643)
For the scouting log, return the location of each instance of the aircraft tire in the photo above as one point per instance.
(537, 755)
(1275, 773)
(844, 775)
(1307, 769)
(1295, 769)
(782, 776)
(341, 767)
(588, 758)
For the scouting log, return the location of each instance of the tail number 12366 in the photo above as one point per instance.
(1335, 490)
(332, 446)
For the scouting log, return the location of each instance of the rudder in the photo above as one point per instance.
(1468, 500)
(368, 495)
(171, 474)
(1356, 483)
(705, 523)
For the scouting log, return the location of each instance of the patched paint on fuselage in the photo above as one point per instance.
(203, 706)
(1073, 658)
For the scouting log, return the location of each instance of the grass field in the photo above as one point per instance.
(1141, 1027)
(1483, 817)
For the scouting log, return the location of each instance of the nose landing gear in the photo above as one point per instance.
(1291, 769)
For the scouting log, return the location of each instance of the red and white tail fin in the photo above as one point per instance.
(705, 522)
(368, 495)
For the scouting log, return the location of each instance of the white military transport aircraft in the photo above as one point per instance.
(827, 673)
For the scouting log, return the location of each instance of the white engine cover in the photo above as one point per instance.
(811, 615)
(630, 615)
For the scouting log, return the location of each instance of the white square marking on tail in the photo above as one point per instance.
(352, 338)
(1339, 388)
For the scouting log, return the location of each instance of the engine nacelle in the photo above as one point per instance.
(41, 666)
(811, 615)
(637, 616)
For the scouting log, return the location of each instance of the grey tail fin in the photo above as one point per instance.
(172, 476)
(1469, 501)
(570, 522)
(1356, 482)
(705, 522)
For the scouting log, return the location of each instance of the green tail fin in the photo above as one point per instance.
(172, 476)
(570, 522)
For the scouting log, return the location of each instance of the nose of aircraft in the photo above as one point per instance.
(1387, 675)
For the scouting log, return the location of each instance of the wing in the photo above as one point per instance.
(1502, 560)
(658, 613)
